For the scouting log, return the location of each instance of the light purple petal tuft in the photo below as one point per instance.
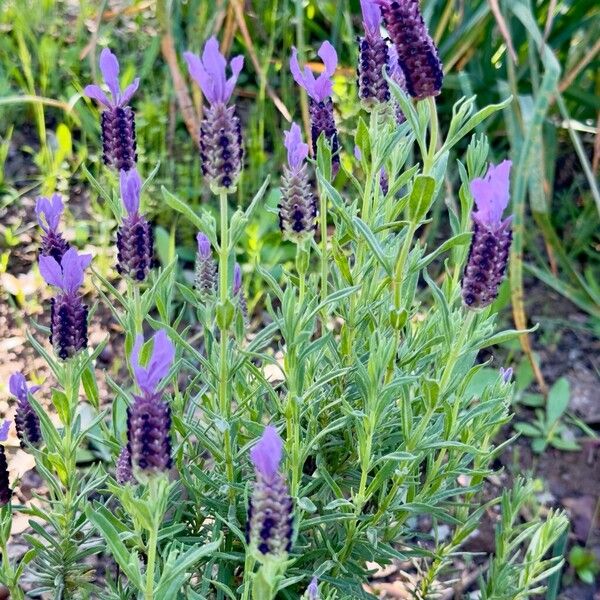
(267, 452)
(73, 266)
(506, 374)
(371, 17)
(95, 93)
(51, 271)
(297, 151)
(312, 591)
(204, 248)
(320, 88)
(4, 427)
(163, 353)
(131, 186)
(48, 212)
(491, 194)
(18, 386)
(109, 65)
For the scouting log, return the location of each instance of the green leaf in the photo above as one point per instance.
(421, 198)
(558, 401)
(374, 245)
(185, 209)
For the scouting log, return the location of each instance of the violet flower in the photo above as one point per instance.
(506, 374)
(135, 239)
(48, 212)
(492, 236)
(26, 421)
(417, 53)
(319, 93)
(149, 416)
(221, 148)
(5, 491)
(68, 318)
(118, 120)
(298, 207)
(372, 57)
(270, 517)
(205, 279)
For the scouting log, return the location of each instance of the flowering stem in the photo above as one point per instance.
(248, 571)
(152, 541)
(401, 265)
(324, 259)
(433, 136)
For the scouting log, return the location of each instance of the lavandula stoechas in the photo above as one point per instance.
(238, 292)
(492, 236)
(5, 491)
(68, 318)
(149, 416)
(118, 120)
(417, 54)
(298, 207)
(319, 93)
(48, 212)
(397, 76)
(26, 421)
(135, 242)
(312, 591)
(372, 57)
(205, 279)
(270, 517)
(221, 149)
(124, 471)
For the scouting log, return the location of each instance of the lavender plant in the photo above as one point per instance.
(287, 456)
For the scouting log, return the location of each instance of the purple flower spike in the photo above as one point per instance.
(109, 66)
(266, 454)
(318, 89)
(270, 517)
(26, 421)
(297, 150)
(68, 276)
(5, 491)
(492, 236)
(506, 374)
(209, 72)
(163, 353)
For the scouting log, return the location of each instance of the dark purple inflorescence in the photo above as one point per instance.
(270, 516)
(298, 207)
(492, 236)
(68, 318)
(372, 57)
(149, 416)
(221, 147)
(417, 53)
(5, 491)
(26, 421)
(124, 472)
(48, 212)
(206, 269)
(135, 241)
(118, 120)
(320, 104)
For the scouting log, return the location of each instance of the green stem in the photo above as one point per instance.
(152, 543)
(433, 136)
(401, 265)
(324, 258)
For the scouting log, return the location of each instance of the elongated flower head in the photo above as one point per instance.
(5, 491)
(372, 57)
(270, 518)
(118, 120)
(209, 72)
(492, 236)
(26, 421)
(205, 279)
(298, 207)
(135, 239)
(417, 53)
(149, 417)
(124, 472)
(48, 212)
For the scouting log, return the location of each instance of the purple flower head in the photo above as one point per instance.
(131, 186)
(320, 88)
(371, 17)
(491, 194)
(4, 427)
(48, 212)
(237, 279)
(297, 151)
(267, 452)
(204, 248)
(19, 388)
(506, 374)
(67, 276)
(209, 72)
(163, 353)
(109, 65)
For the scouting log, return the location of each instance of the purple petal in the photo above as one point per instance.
(131, 185)
(134, 359)
(129, 91)
(96, 93)
(506, 374)
(18, 386)
(328, 55)
(51, 211)
(267, 452)
(73, 266)
(4, 427)
(312, 591)
(204, 248)
(163, 353)
(199, 75)
(214, 64)
(51, 271)
(109, 65)
(236, 64)
(296, 150)
(237, 279)
(298, 76)
(371, 17)
(491, 194)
